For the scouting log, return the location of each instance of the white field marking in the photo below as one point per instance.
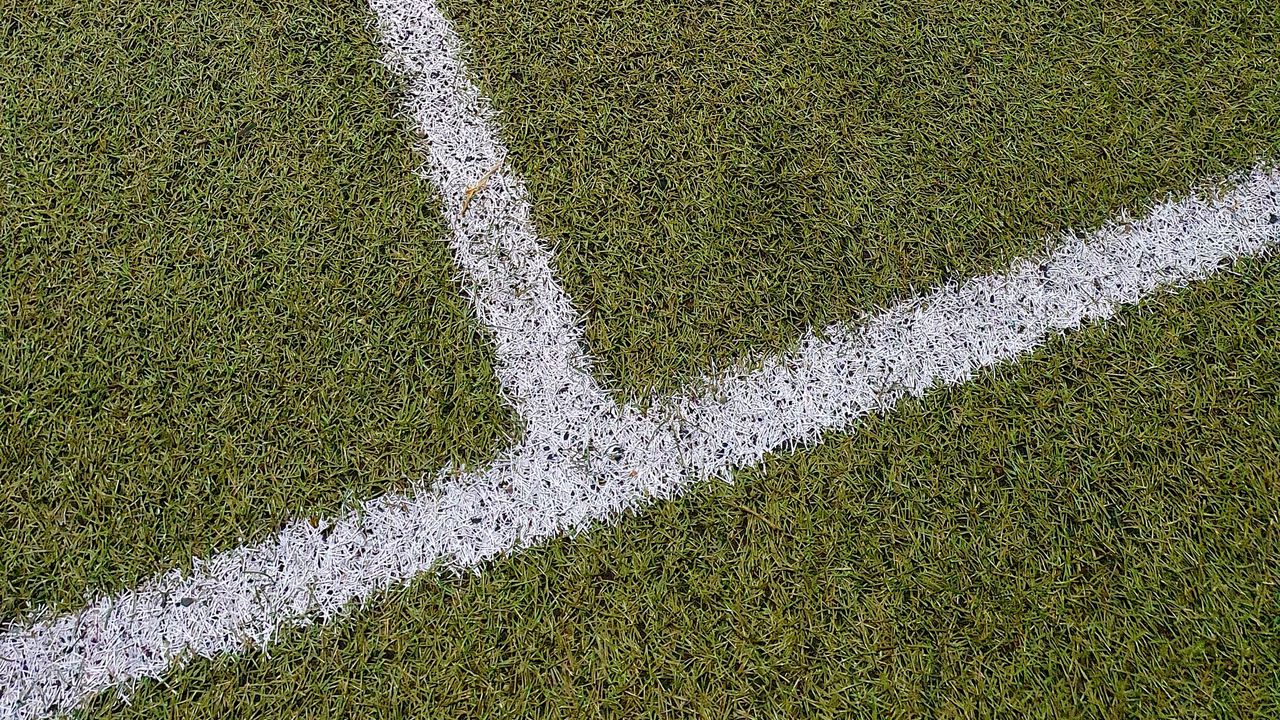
(534, 491)
(541, 364)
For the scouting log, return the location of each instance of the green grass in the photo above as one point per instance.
(716, 176)
(1089, 533)
(226, 303)
(224, 296)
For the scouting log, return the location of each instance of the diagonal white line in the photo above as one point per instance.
(508, 273)
(583, 458)
(535, 490)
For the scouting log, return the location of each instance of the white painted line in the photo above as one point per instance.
(535, 490)
(944, 337)
(508, 273)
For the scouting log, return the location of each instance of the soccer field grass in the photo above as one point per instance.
(1089, 533)
(234, 303)
(718, 176)
(227, 298)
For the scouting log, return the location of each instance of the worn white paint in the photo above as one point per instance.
(537, 334)
(583, 458)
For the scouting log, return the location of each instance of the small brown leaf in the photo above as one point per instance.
(473, 189)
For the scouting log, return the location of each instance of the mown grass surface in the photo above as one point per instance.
(716, 176)
(224, 299)
(1089, 533)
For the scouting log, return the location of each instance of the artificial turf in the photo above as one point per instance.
(1089, 532)
(716, 176)
(226, 304)
(225, 299)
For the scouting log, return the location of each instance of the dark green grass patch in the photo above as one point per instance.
(718, 175)
(1089, 533)
(224, 296)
